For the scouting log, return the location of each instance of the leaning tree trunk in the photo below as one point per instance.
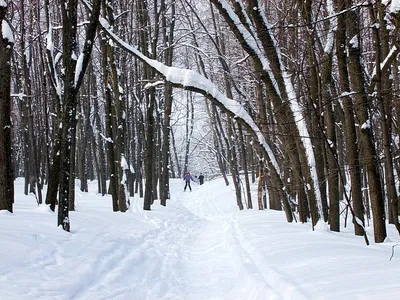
(254, 34)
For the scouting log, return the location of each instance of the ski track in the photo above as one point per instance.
(212, 253)
(196, 238)
(281, 285)
(150, 250)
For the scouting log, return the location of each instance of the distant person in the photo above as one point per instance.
(187, 179)
(201, 178)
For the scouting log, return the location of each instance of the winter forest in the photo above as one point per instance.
(300, 97)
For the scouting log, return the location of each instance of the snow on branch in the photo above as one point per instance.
(52, 62)
(249, 37)
(193, 81)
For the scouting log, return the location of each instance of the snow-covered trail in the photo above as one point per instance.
(165, 253)
(204, 238)
(221, 249)
(198, 247)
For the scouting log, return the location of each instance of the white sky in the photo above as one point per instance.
(198, 247)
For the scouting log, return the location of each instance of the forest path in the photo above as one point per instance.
(192, 252)
(239, 269)
(198, 247)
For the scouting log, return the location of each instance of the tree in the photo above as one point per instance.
(74, 68)
(368, 150)
(6, 170)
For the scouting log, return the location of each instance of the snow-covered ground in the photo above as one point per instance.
(198, 247)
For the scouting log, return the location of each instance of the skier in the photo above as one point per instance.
(187, 179)
(201, 178)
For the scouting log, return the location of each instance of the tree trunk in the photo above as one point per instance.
(6, 170)
(368, 151)
(350, 134)
(243, 149)
(383, 94)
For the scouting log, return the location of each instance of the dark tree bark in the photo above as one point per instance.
(166, 126)
(72, 82)
(149, 101)
(260, 186)
(245, 169)
(102, 178)
(383, 96)
(368, 150)
(350, 134)
(6, 170)
(233, 163)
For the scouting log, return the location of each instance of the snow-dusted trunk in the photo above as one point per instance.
(146, 44)
(232, 144)
(368, 151)
(331, 145)
(255, 35)
(383, 94)
(314, 115)
(233, 164)
(74, 69)
(116, 125)
(168, 37)
(149, 152)
(189, 125)
(165, 150)
(122, 166)
(31, 156)
(175, 156)
(260, 186)
(244, 158)
(55, 80)
(331, 106)
(69, 103)
(6, 170)
(350, 134)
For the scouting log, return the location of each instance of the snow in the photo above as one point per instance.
(332, 28)
(52, 64)
(366, 125)
(395, 6)
(6, 29)
(200, 246)
(153, 84)
(107, 139)
(3, 3)
(354, 42)
(124, 163)
(78, 68)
